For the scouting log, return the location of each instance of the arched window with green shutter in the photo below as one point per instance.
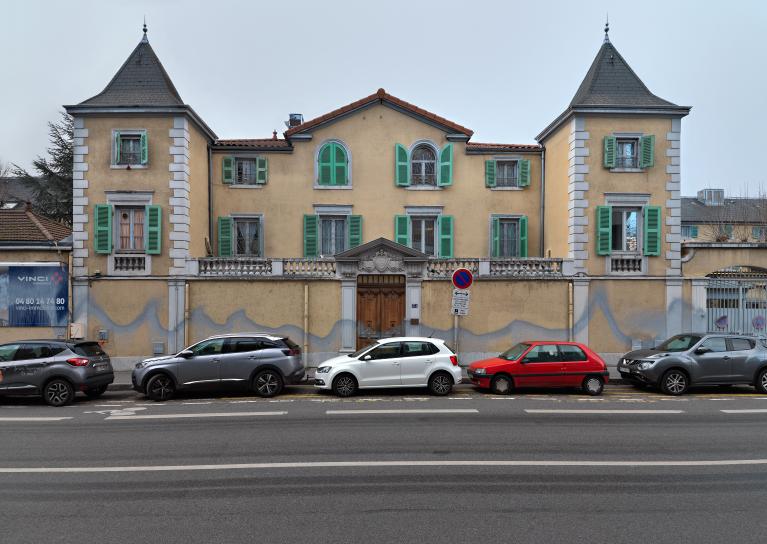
(332, 165)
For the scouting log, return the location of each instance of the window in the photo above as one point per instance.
(759, 233)
(689, 231)
(627, 153)
(332, 165)
(7, 352)
(514, 352)
(209, 347)
(130, 148)
(248, 233)
(246, 171)
(570, 353)
(680, 342)
(506, 173)
(423, 234)
(333, 234)
(542, 353)
(417, 349)
(130, 229)
(625, 230)
(742, 344)
(423, 165)
(716, 344)
(32, 351)
(508, 238)
(386, 351)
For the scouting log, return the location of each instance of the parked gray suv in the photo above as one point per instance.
(698, 359)
(262, 361)
(55, 369)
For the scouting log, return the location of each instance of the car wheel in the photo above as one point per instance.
(440, 384)
(761, 381)
(95, 392)
(593, 385)
(267, 383)
(58, 392)
(160, 387)
(674, 382)
(501, 385)
(345, 385)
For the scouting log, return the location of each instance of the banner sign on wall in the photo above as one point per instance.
(34, 295)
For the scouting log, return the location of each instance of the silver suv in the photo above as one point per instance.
(262, 361)
(698, 359)
(55, 369)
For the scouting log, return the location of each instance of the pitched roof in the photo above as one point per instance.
(264, 144)
(23, 225)
(480, 147)
(732, 210)
(140, 81)
(383, 97)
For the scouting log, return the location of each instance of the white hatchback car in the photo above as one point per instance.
(392, 362)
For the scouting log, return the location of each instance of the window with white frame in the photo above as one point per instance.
(249, 234)
(506, 173)
(626, 230)
(130, 229)
(508, 237)
(689, 231)
(423, 165)
(628, 153)
(333, 231)
(245, 171)
(423, 234)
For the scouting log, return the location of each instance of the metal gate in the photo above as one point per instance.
(736, 301)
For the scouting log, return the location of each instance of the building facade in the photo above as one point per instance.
(347, 227)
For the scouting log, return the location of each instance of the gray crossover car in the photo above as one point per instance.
(262, 361)
(55, 369)
(698, 359)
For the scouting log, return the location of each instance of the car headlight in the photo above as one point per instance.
(480, 371)
(645, 365)
(623, 362)
(324, 369)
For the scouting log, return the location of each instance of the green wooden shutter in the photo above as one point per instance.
(524, 173)
(489, 173)
(262, 169)
(355, 230)
(523, 236)
(325, 165)
(153, 217)
(647, 151)
(227, 169)
(652, 230)
(144, 148)
(117, 147)
(604, 230)
(225, 236)
(446, 166)
(610, 145)
(401, 166)
(495, 237)
(446, 236)
(311, 235)
(102, 229)
(402, 230)
(340, 165)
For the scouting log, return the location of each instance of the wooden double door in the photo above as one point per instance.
(380, 307)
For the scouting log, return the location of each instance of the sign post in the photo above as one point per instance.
(462, 280)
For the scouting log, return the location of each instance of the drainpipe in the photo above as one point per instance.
(542, 228)
(210, 198)
(306, 325)
(186, 315)
(570, 311)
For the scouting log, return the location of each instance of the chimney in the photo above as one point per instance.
(294, 119)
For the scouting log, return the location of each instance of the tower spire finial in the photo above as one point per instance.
(607, 28)
(145, 39)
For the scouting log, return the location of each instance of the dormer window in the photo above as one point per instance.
(130, 148)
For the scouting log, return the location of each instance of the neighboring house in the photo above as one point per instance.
(14, 193)
(348, 227)
(712, 217)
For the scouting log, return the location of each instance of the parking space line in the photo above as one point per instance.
(25, 419)
(534, 411)
(754, 411)
(414, 411)
(203, 414)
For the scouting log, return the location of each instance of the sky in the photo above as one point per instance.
(502, 68)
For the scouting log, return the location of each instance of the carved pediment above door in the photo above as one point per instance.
(381, 256)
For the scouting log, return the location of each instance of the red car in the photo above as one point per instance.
(541, 364)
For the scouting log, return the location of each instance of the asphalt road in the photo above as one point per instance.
(399, 466)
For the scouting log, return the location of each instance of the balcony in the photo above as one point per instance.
(627, 162)
(626, 264)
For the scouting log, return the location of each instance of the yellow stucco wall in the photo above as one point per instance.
(30, 256)
(134, 312)
(370, 136)
(704, 261)
(617, 314)
(102, 177)
(717, 233)
(651, 180)
(557, 181)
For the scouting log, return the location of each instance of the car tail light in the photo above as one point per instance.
(292, 351)
(78, 361)
(454, 360)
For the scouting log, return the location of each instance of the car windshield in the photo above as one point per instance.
(680, 342)
(514, 352)
(363, 350)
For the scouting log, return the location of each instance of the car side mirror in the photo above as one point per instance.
(186, 354)
(367, 357)
(702, 350)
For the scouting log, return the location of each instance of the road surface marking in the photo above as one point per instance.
(375, 464)
(754, 411)
(203, 414)
(414, 411)
(195, 403)
(34, 418)
(532, 411)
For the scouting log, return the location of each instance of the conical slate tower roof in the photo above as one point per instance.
(140, 81)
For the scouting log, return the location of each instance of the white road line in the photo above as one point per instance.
(34, 418)
(195, 403)
(203, 414)
(531, 411)
(413, 411)
(754, 411)
(406, 464)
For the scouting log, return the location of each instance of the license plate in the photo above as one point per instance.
(100, 368)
